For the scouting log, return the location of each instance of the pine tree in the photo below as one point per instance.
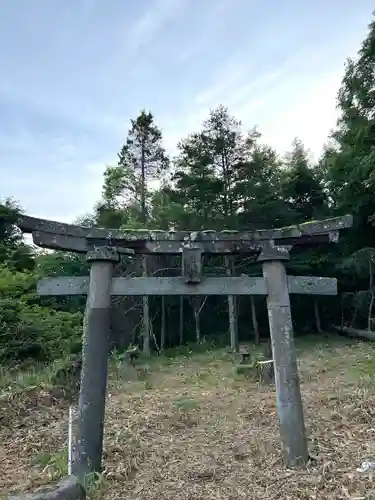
(301, 187)
(141, 160)
(228, 150)
(196, 185)
(351, 163)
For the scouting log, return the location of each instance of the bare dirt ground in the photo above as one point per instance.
(193, 429)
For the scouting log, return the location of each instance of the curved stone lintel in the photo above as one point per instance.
(32, 224)
(73, 238)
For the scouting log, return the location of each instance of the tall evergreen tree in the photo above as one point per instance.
(257, 189)
(195, 184)
(140, 161)
(301, 186)
(229, 149)
(351, 163)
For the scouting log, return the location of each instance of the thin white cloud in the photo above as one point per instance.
(226, 78)
(202, 40)
(311, 116)
(156, 15)
(239, 80)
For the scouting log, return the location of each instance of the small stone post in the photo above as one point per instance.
(288, 395)
(95, 350)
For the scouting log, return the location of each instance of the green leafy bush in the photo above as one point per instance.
(28, 330)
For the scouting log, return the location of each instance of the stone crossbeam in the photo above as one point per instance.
(243, 285)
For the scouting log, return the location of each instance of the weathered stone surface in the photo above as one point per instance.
(67, 489)
(60, 242)
(103, 253)
(239, 285)
(30, 224)
(56, 235)
(220, 247)
(288, 395)
(192, 264)
(270, 252)
(312, 285)
(75, 243)
(95, 351)
(64, 286)
(266, 372)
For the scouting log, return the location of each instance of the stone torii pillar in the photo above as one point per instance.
(95, 351)
(288, 394)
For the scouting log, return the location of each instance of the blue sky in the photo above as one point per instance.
(73, 72)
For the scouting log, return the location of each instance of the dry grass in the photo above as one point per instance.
(195, 430)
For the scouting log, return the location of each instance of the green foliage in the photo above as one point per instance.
(196, 187)
(55, 463)
(246, 371)
(301, 187)
(185, 404)
(350, 163)
(13, 251)
(62, 264)
(31, 331)
(140, 160)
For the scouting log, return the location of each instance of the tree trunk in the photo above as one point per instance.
(163, 324)
(143, 181)
(146, 314)
(342, 311)
(369, 318)
(354, 317)
(232, 307)
(317, 317)
(197, 327)
(356, 332)
(197, 304)
(255, 321)
(181, 327)
(370, 308)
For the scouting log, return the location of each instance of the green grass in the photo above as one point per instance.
(318, 342)
(364, 368)
(19, 380)
(186, 404)
(56, 464)
(245, 371)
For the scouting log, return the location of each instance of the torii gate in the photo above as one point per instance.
(103, 249)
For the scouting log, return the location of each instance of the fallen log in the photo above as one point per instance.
(355, 332)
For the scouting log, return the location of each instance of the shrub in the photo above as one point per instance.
(28, 330)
